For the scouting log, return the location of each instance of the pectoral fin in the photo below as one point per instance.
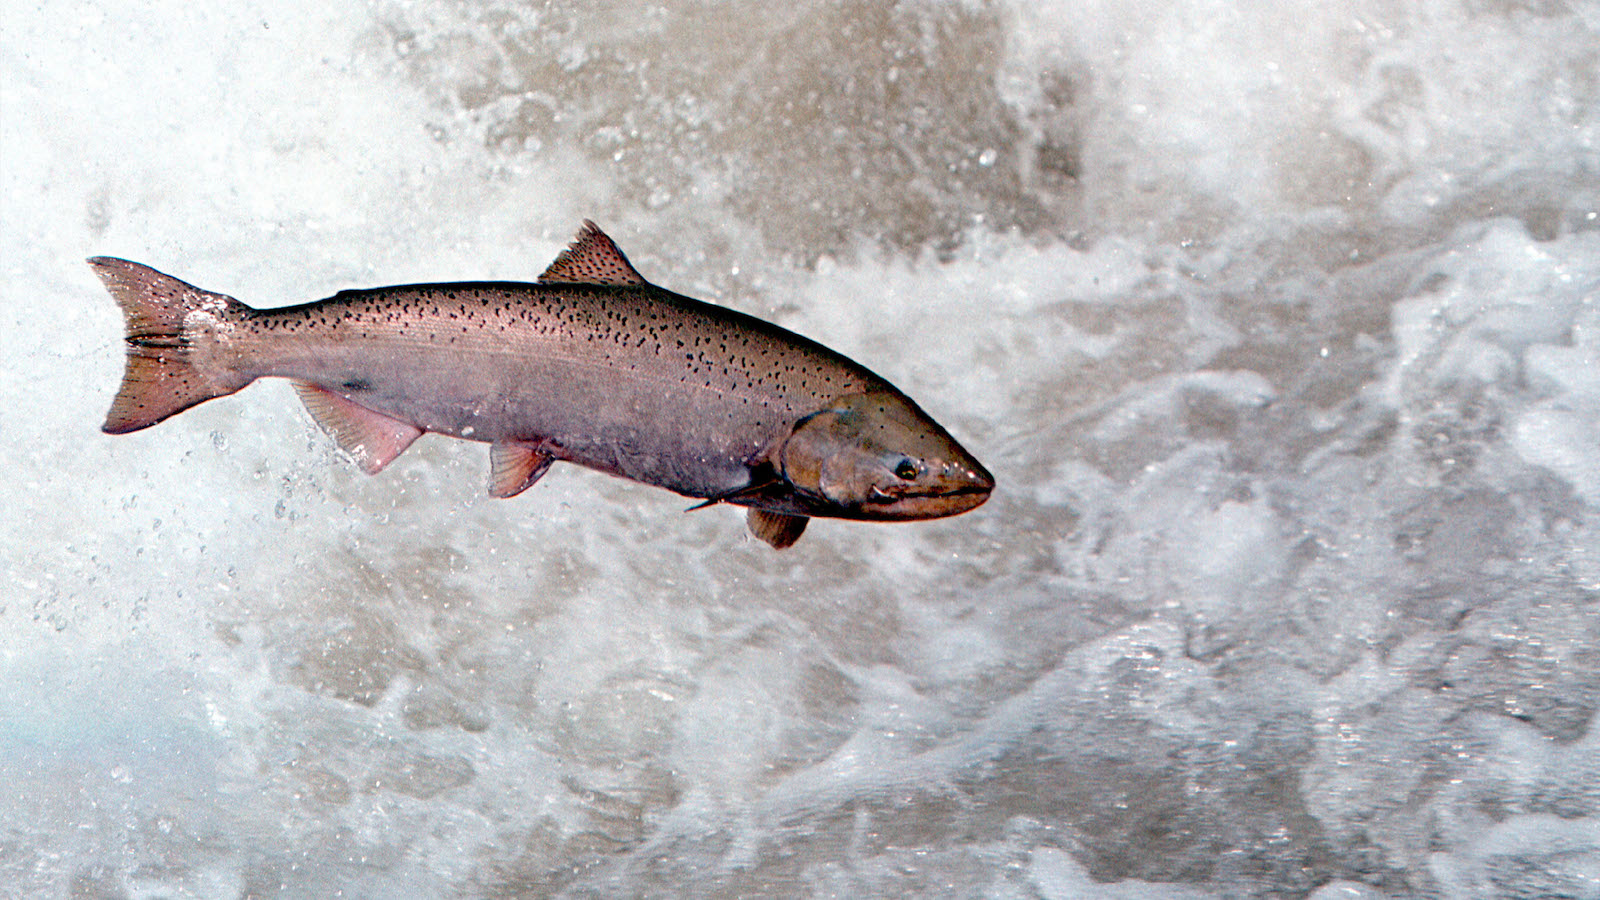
(513, 468)
(373, 439)
(777, 529)
(758, 485)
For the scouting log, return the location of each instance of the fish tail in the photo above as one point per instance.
(172, 331)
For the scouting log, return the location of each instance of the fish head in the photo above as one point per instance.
(877, 456)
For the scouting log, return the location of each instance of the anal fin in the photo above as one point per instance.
(371, 438)
(778, 529)
(513, 468)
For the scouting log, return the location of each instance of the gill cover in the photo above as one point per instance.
(877, 456)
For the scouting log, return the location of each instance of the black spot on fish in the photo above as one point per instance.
(356, 384)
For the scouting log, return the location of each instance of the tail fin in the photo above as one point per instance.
(171, 326)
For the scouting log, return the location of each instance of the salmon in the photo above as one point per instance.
(591, 365)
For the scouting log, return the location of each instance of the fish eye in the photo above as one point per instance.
(907, 470)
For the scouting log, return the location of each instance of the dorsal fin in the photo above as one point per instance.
(593, 258)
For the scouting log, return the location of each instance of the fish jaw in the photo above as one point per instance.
(960, 486)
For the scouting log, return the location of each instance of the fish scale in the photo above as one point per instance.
(592, 365)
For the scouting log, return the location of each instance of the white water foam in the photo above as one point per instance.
(1277, 326)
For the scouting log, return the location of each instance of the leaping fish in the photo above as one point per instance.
(591, 365)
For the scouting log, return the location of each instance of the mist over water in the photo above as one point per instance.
(1279, 328)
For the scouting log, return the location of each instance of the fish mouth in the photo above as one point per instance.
(953, 493)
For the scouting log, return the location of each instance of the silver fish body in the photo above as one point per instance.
(592, 365)
(636, 381)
